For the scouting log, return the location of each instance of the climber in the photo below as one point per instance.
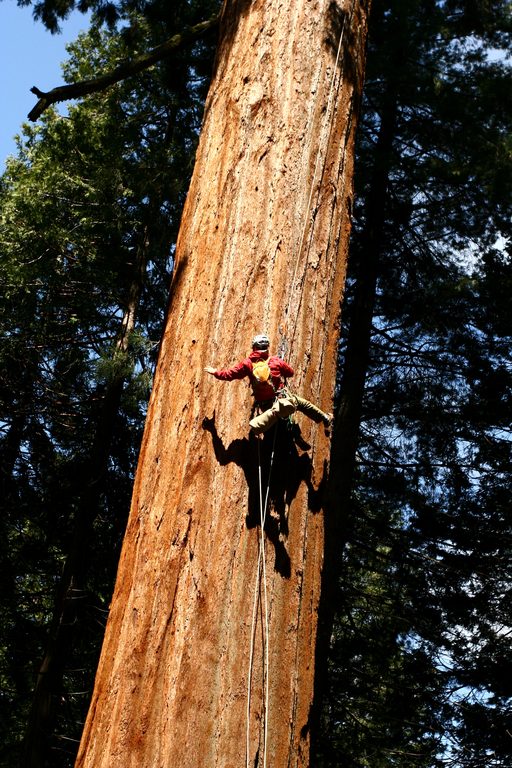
(267, 375)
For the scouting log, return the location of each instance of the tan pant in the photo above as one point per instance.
(283, 407)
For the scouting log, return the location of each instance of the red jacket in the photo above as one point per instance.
(262, 390)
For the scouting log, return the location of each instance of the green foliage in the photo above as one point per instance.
(423, 622)
(89, 211)
(112, 13)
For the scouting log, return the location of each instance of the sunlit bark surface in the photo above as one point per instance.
(262, 246)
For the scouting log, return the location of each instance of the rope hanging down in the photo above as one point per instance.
(261, 576)
(261, 571)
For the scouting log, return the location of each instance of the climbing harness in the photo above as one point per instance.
(261, 578)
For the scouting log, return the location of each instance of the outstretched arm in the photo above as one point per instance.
(238, 371)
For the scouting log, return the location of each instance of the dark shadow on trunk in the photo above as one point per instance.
(283, 469)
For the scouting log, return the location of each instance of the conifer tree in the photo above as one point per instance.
(414, 618)
(90, 210)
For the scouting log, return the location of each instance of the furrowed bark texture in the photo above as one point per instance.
(256, 251)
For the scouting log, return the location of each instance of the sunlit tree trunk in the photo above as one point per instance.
(262, 246)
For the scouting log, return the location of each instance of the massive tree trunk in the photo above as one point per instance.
(262, 246)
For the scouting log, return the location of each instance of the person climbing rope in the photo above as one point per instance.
(267, 375)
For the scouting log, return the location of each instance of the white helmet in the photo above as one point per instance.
(261, 341)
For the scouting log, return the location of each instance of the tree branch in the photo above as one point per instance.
(124, 70)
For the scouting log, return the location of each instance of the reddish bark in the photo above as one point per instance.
(171, 687)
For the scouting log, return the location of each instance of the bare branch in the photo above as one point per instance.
(124, 70)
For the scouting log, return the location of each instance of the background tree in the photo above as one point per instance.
(89, 216)
(421, 601)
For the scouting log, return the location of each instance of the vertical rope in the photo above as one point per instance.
(261, 569)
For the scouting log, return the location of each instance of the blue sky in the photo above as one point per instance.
(29, 55)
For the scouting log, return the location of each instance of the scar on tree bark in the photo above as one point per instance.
(124, 70)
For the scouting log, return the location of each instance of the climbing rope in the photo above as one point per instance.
(282, 350)
(261, 571)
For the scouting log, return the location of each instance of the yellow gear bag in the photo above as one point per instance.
(261, 371)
